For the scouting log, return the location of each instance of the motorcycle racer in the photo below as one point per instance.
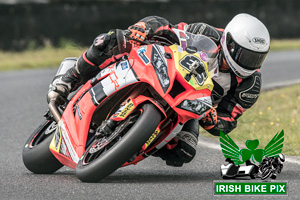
(243, 45)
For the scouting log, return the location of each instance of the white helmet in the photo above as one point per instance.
(245, 44)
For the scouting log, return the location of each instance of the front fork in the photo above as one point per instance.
(126, 108)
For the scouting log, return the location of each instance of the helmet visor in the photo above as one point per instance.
(245, 58)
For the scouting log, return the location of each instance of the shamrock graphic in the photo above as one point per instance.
(232, 151)
(252, 151)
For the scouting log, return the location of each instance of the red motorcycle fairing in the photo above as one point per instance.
(76, 119)
(146, 64)
(175, 88)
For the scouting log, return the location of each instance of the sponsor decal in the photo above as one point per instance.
(152, 137)
(124, 65)
(78, 112)
(197, 106)
(248, 97)
(57, 139)
(63, 148)
(113, 76)
(183, 44)
(117, 78)
(141, 53)
(69, 145)
(180, 50)
(258, 40)
(126, 110)
(183, 35)
(191, 49)
(160, 66)
(203, 56)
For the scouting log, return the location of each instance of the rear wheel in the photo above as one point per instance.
(107, 154)
(37, 156)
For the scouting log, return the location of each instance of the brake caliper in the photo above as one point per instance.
(107, 127)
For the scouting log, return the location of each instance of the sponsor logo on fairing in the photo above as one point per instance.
(159, 63)
(113, 77)
(57, 139)
(126, 110)
(203, 56)
(141, 53)
(69, 145)
(197, 106)
(124, 65)
(152, 137)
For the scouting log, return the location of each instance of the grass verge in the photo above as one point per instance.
(52, 57)
(286, 44)
(39, 58)
(275, 110)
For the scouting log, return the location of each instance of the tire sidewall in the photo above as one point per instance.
(39, 159)
(123, 150)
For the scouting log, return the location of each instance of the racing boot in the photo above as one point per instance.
(64, 82)
(185, 150)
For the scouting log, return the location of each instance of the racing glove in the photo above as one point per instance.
(137, 32)
(205, 29)
(210, 119)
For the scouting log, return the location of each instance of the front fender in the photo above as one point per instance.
(141, 99)
(132, 104)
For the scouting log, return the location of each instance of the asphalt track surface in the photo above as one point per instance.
(23, 101)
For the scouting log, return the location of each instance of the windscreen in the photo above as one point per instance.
(204, 46)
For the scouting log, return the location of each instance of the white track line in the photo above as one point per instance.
(218, 147)
(280, 84)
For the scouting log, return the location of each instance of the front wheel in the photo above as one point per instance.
(37, 156)
(106, 155)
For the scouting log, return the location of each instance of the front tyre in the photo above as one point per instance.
(101, 159)
(37, 156)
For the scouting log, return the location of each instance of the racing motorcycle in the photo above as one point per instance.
(129, 111)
